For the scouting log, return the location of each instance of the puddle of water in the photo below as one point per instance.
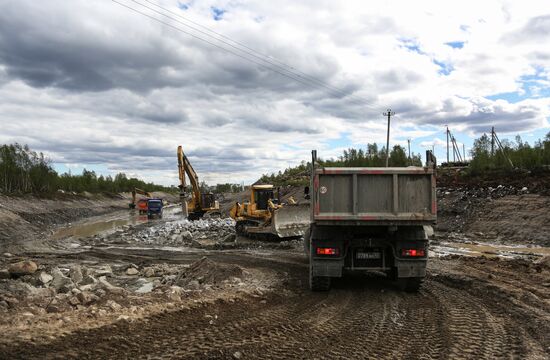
(97, 226)
(108, 223)
(489, 250)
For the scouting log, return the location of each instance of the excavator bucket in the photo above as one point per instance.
(290, 220)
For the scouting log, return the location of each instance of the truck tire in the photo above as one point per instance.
(319, 283)
(392, 274)
(410, 285)
(307, 240)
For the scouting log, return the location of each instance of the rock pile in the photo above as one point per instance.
(57, 289)
(176, 233)
(483, 192)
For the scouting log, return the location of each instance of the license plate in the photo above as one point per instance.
(368, 255)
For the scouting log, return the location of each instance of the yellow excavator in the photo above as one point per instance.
(200, 203)
(141, 208)
(264, 216)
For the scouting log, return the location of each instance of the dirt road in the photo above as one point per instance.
(211, 295)
(468, 308)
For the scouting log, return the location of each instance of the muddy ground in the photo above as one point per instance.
(118, 285)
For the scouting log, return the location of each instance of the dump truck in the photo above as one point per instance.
(201, 203)
(154, 208)
(265, 217)
(370, 219)
(142, 206)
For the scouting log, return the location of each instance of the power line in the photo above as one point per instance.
(251, 51)
(286, 73)
(262, 58)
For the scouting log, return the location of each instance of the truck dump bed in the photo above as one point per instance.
(374, 196)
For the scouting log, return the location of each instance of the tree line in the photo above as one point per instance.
(488, 156)
(372, 156)
(25, 171)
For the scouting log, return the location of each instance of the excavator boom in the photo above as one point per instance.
(199, 203)
(136, 191)
(185, 167)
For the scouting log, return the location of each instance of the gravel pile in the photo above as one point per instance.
(175, 233)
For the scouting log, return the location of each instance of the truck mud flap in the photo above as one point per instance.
(331, 268)
(407, 269)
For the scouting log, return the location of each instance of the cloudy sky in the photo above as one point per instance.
(95, 84)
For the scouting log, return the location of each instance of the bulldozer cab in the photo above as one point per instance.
(261, 196)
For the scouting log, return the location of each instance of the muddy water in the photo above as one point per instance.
(489, 250)
(109, 223)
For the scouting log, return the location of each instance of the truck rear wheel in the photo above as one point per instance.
(307, 240)
(319, 283)
(410, 285)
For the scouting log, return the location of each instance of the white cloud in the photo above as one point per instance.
(107, 86)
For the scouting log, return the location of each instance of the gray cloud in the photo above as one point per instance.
(535, 30)
(69, 56)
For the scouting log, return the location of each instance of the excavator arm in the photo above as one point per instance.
(184, 167)
(134, 193)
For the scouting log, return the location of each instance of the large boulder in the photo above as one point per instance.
(76, 274)
(110, 287)
(60, 282)
(45, 278)
(132, 271)
(21, 268)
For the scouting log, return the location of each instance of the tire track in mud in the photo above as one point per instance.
(362, 317)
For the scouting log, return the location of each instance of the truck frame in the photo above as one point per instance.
(370, 219)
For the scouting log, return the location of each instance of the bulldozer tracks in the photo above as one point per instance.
(362, 317)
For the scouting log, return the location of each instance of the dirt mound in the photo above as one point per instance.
(24, 217)
(206, 271)
(535, 181)
(502, 214)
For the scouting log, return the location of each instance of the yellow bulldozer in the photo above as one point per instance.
(264, 216)
(201, 203)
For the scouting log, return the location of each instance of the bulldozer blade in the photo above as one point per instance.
(291, 220)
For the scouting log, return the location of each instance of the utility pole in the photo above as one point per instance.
(409, 145)
(389, 114)
(447, 144)
(464, 152)
(492, 141)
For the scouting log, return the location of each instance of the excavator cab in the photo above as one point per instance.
(208, 200)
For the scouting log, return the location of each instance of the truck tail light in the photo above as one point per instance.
(327, 251)
(413, 252)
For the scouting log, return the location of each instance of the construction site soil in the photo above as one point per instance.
(118, 285)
